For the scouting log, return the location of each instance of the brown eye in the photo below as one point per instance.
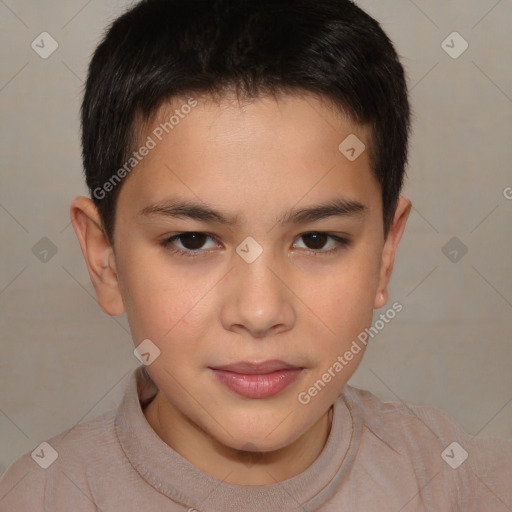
(193, 241)
(189, 244)
(317, 240)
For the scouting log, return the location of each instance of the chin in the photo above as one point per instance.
(262, 438)
(258, 444)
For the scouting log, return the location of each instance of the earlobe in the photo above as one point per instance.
(381, 299)
(98, 255)
(396, 231)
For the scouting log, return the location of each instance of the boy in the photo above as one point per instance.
(259, 129)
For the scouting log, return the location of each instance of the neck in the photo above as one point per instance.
(230, 465)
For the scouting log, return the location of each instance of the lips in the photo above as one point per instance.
(257, 380)
(263, 368)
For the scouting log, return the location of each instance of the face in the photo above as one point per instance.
(266, 268)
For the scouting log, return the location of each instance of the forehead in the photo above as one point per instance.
(261, 152)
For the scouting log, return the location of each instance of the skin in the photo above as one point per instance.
(256, 160)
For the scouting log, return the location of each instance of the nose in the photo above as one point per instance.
(257, 300)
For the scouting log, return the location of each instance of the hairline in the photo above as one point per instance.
(141, 124)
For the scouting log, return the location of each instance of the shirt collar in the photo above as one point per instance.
(174, 476)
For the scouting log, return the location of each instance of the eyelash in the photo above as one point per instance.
(341, 244)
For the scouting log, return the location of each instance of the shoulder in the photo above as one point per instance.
(399, 417)
(55, 473)
(429, 444)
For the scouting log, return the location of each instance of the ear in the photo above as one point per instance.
(388, 253)
(98, 254)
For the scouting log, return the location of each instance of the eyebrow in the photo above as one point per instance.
(176, 208)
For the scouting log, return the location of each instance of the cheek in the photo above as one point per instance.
(161, 303)
(344, 301)
(149, 296)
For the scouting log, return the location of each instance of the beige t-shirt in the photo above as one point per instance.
(379, 457)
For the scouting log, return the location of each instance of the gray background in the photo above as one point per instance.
(62, 360)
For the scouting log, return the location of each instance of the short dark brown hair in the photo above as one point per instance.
(161, 49)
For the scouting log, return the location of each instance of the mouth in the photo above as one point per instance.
(257, 380)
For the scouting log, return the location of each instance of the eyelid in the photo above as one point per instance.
(167, 243)
(342, 241)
